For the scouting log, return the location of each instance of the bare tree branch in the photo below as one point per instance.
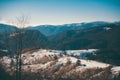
(21, 22)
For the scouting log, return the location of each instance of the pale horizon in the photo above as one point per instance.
(3, 22)
(52, 12)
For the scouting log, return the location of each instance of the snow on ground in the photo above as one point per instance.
(65, 59)
(37, 55)
(5, 60)
(81, 53)
(115, 70)
(31, 59)
(4, 50)
(92, 64)
(86, 63)
(107, 28)
(43, 52)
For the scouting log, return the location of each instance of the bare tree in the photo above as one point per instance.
(21, 22)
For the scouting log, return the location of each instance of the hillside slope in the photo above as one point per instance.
(50, 65)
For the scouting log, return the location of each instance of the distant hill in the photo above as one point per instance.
(49, 30)
(29, 39)
(4, 28)
(68, 36)
(95, 37)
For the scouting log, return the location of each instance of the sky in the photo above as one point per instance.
(56, 12)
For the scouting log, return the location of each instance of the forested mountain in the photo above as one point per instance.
(96, 37)
(12, 37)
(4, 28)
(49, 30)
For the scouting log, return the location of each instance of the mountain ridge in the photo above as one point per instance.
(49, 30)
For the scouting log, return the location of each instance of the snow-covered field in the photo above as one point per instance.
(86, 63)
(44, 59)
(37, 56)
(79, 53)
(115, 70)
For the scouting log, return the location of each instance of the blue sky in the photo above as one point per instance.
(60, 11)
